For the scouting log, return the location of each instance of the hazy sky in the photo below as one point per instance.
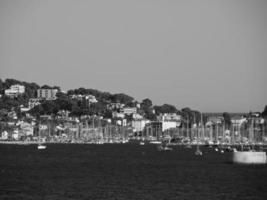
(207, 55)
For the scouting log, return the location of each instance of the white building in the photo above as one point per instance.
(33, 102)
(170, 117)
(128, 110)
(137, 116)
(118, 115)
(80, 97)
(47, 94)
(112, 106)
(4, 135)
(15, 90)
(139, 125)
(91, 98)
(169, 124)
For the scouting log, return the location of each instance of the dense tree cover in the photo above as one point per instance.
(78, 107)
(165, 108)
(146, 103)
(103, 96)
(147, 110)
(191, 117)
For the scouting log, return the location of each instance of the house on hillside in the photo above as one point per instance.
(15, 90)
(47, 94)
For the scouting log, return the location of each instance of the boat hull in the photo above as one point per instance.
(249, 157)
(41, 147)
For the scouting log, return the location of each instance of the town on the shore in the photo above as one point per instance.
(31, 113)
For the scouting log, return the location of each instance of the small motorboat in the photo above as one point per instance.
(41, 146)
(164, 148)
(142, 143)
(198, 152)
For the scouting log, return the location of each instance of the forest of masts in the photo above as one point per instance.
(246, 133)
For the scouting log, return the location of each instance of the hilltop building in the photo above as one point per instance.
(15, 90)
(47, 94)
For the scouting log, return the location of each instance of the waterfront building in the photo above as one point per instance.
(4, 135)
(166, 125)
(26, 129)
(139, 125)
(153, 129)
(15, 90)
(169, 120)
(47, 94)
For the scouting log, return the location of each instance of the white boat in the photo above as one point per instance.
(142, 143)
(41, 146)
(155, 142)
(198, 152)
(164, 148)
(250, 156)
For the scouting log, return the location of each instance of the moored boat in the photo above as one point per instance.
(249, 157)
(41, 146)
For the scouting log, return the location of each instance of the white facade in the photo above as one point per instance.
(169, 124)
(115, 106)
(118, 115)
(15, 90)
(139, 125)
(33, 102)
(48, 94)
(128, 110)
(91, 98)
(137, 116)
(170, 117)
(4, 135)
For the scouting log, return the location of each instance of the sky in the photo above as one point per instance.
(207, 55)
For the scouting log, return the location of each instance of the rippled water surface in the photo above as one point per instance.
(125, 171)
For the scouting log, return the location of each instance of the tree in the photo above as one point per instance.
(165, 108)
(46, 87)
(264, 113)
(1, 86)
(121, 98)
(146, 103)
(227, 119)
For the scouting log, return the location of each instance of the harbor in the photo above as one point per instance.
(125, 171)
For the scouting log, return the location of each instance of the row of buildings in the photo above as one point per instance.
(16, 90)
(168, 123)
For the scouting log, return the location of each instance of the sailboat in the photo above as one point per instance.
(188, 143)
(164, 147)
(198, 152)
(251, 156)
(40, 145)
(142, 139)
